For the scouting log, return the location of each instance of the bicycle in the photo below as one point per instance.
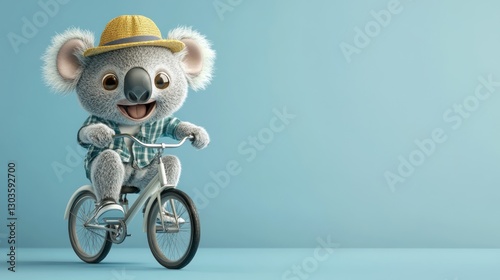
(173, 234)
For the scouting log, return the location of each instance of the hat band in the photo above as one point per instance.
(133, 39)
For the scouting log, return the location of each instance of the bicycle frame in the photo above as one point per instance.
(152, 191)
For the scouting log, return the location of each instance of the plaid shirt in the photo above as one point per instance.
(148, 133)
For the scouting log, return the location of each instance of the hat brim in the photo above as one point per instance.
(173, 45)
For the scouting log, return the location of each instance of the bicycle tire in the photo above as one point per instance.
(190, 215)
(87, 199)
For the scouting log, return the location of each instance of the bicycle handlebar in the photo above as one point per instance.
(154, 146)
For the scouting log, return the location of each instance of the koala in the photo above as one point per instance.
(131, 83)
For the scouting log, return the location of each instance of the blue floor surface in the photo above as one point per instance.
(292, 264)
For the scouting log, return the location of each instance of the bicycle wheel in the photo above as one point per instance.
(175, 245)
(91, 245)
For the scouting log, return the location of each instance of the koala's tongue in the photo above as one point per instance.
(137, 111)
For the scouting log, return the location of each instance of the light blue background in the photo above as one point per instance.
(324, 173)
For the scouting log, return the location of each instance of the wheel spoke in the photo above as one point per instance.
(172, 249)
(88, 243)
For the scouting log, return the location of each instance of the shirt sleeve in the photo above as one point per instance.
(90, 120)
(170, 124)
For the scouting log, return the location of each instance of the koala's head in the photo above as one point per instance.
(130, 80)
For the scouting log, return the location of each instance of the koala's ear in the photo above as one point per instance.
(197, 58)
(64, 60)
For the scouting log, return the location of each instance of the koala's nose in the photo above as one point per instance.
(137, 85)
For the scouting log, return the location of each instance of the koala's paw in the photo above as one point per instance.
(201, 138)
(100, 135)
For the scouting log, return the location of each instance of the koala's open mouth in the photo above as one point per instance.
(137, 112)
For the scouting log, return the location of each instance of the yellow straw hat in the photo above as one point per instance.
(130, 31)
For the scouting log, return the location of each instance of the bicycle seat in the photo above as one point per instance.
(129, 189)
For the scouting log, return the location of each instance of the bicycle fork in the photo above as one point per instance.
(164, 185)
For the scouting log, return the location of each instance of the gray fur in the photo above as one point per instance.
(108, 173)
(201, 138)
(153, 60)
(107, 169)
(201, 80)
(141, 178)
(99, 135)
(50, 71)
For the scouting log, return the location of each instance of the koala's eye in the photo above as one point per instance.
(162, 81)
(110, 82)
